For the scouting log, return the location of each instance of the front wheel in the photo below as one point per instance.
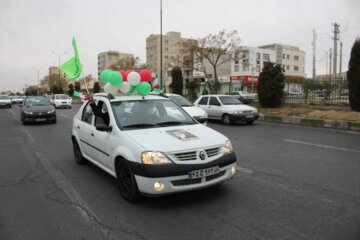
(226, 119)
(250, 122)
(79, 159)
(126, 182)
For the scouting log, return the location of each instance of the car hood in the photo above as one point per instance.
(5, 100)
(195, 111)
(241, 107)
(176, 138)
(61, 100)
(39, 108)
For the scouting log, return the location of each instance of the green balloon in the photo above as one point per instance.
(143, 88)
(115, 79)
(105, 75)
(132, 89)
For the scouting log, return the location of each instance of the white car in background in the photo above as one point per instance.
(194, 111)
(62, 100)
(5, 101)
(227, 108)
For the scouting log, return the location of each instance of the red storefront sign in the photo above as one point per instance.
(246, 79)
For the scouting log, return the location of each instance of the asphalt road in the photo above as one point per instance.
(292, 183)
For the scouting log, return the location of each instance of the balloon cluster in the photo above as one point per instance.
(126, 82)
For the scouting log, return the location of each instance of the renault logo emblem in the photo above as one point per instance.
(202, 155)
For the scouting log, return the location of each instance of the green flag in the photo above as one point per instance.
(73, 67)
(76, 94)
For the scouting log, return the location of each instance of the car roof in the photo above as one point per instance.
(129, 97)
(216, 95)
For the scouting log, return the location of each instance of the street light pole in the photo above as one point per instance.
(59, 55)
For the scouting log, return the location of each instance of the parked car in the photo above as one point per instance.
(194, 111)
(37, 109)
(17, 99)
(149, 149)
(247, 97)
(227, 108)
(62, 101)
(5, 101)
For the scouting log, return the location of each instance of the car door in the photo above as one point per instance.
(203, 104)
(85, 129)
(103, 140)
(214, 110)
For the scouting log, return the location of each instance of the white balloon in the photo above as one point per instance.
(125, 87)
(133, 78)
(108, 88)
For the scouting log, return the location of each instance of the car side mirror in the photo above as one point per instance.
(200, 120)
(103, 127)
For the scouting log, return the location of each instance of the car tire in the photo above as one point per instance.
(10, 106)
(126, 182)
(249, 122)
(226, 119)
(54, 121)
(79, 159)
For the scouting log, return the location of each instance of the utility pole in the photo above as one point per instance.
(314, 52)
(340, 67)
(330, 64)
(336, 38)
(326, 58)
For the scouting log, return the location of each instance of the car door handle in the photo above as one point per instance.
(92, 134)
(78, 127)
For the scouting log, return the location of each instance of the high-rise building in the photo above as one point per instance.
(170, 51)
(106, 59)
(292, 60)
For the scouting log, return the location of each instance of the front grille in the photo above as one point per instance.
(215, 176)
(247, 111)
(212, 152)
(186, 156)
(185, 182)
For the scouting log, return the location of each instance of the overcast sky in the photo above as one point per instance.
(30, 30)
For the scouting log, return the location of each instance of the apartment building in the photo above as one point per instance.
(170, 51)
(106, 59)
(292, 60)
(246, 65)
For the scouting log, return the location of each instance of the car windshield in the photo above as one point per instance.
(4, 97)
(37, 101)
(181, 101)
(149, 114)
(228, 100)
(62, 96)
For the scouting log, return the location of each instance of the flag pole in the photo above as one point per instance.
(86, 86)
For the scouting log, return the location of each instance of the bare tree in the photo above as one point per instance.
(208, 53)
(128, 63)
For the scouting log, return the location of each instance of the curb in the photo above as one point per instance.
(336, 124)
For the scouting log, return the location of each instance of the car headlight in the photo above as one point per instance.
(237, 112)
(154, 158)
(255, 111)
(228, 148)
(51, 111)
(28, 113)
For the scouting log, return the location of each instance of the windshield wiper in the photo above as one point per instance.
(173, 123)
(139, 125)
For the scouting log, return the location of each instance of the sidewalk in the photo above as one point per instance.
(336, 124)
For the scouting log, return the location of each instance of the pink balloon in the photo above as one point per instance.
(124, 75)
(145, 75)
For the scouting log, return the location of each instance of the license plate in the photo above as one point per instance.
(249, 116)
(203, 172)
(40, 119)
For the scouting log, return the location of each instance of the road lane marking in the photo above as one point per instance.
(29, 135)
(321, 145)
(244, 170)
(76, 200)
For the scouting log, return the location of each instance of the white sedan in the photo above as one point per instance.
(62, 100)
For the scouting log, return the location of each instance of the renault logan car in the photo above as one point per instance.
(150, 145)
(227, 108)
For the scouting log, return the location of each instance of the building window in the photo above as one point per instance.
(168, 73)
(287, 56)
(296, 68)
(236, 55)
(287, 67)
(283, 56)
(245, 67)
(266, 57)
(257, 68)
(166, 49)
(236, 61)
(296, 58)
(257, 56)
(236, 68)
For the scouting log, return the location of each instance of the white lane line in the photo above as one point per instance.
(13, 113)
(29, 135)
(77, 201)
(245, 170)
(321, 145)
